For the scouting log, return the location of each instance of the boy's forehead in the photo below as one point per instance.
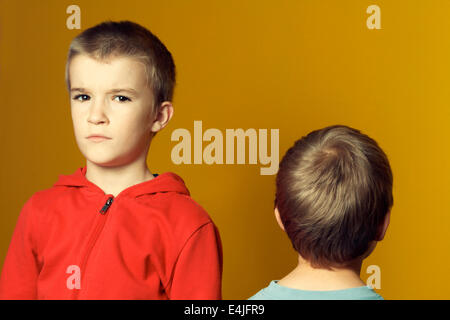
(111, 59)
(114, 72)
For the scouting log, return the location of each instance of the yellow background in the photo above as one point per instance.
(289, 65)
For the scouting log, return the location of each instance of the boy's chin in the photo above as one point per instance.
(105, 162)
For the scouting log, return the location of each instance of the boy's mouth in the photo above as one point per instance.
(97, 138)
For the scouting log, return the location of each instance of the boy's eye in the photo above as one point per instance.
(77, 97)
(123, 98)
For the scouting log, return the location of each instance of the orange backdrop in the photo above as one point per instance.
(291, 65)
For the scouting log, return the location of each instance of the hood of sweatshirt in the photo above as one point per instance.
(165, 182)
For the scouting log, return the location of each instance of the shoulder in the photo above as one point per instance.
(267, 293)
(44, 198)
(178, 208)
(36, 201)
(357, 293)
(370, 294)
(188, 207)
(33, 214)
(40, 204)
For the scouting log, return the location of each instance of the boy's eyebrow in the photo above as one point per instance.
(130, 90)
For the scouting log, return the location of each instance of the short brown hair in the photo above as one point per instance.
(128, 39)
(333, 190)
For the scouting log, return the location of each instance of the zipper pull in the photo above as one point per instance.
(107, 205)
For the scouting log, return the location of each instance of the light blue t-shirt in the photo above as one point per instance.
(277, 292)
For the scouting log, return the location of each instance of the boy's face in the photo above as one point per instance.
(98, 108)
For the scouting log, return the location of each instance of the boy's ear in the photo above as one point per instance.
(277, 216)
(383, 226)
(163, 115)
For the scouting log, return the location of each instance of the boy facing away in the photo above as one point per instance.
(333, 199)
(112, 229)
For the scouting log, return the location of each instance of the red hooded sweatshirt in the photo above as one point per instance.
(151, 241)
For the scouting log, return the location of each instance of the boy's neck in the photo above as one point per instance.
(113, 180)
(305, 277)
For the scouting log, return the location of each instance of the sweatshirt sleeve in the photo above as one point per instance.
(198, 270)
(20, 269)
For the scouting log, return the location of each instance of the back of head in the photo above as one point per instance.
(128, 39)
(333, 190)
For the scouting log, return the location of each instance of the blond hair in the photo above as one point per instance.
(128, 39)
(333, 190)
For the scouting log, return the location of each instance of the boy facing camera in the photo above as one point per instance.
(333, 200)
(112, 229)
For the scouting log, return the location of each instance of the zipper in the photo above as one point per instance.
(107, 205)
(93, 239)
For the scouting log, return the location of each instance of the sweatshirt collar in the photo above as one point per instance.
(165, 182)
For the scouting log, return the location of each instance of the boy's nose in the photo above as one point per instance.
(97, 112)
